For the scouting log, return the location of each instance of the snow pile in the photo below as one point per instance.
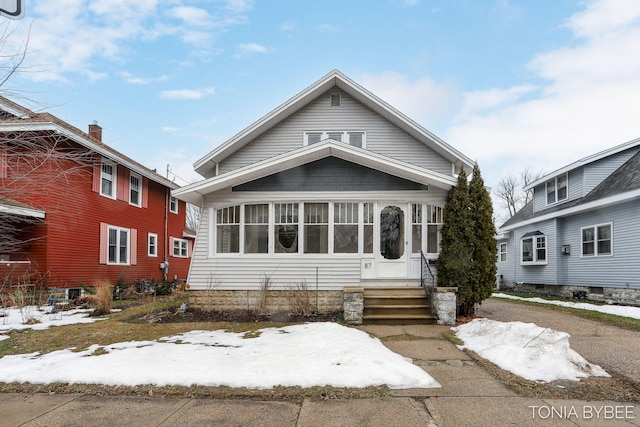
(618, 310)
(313, 354)
(527, 350)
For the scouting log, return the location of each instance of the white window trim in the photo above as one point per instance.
(345, 136)
(149, 236)
(502, 252)
(118, 230)
(135, 175)
(546, 200)
(595, 240)
(114, 178)
(182, 242)
(535, 261)
(177, 204)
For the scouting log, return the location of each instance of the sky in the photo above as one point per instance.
(341, 356)
(512, 84)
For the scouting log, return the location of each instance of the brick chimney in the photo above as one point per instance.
(95, 131)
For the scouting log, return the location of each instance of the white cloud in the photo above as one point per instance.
(187, 93)
(247, 48)
(423, 100)
(71, 37)
(587, 103)
(131, 79)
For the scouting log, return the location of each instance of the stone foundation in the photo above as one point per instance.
(626, 296)
(274, 302)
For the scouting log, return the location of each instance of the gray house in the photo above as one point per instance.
(580, 235)
(334, 188)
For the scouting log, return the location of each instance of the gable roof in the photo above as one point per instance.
(193, 193)
(585, 161)
(205, 165)
(17, 118)
(622, 185)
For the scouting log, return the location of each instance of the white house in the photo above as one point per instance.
(334, 188)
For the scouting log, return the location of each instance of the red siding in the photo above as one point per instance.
(71, 253)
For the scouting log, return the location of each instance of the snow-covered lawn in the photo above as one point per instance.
(312, 354)
(618, 310)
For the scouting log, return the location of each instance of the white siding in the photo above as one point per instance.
(381, 136)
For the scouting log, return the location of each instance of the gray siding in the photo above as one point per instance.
(596, 172)
(381, 135)
(538, 274)
(622, 269)
(330, 174)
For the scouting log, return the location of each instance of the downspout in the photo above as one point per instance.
(167, 202)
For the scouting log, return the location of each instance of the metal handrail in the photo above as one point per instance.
(424, 263)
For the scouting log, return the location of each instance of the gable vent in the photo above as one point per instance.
(335, 99)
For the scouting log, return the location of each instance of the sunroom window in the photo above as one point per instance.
(434, 225)
(345, 228)
(228, 230)
(256, 229)
(316, 228)
(286, 228)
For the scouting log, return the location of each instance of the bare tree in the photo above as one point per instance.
(193, 215)
(510, 191)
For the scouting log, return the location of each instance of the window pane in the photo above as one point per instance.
(355, 139)
(345, 231)
(107, 180)
(416, 228)
(313, 138)
(562, 187)
(228, 239)
(316, 229)
(134, 196)
(551, 191)
(391, 232)
(527, 250)
(113, 244)
(368, 228)
(604, 240)
(124, 242)
(588, 246)
(541, 249)
(256, 229)
(286, 239)
(335, 135)
(433, 237)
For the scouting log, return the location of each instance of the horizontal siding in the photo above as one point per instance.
(382, 136)
(598, 171)
(620, 270)
(538, 274)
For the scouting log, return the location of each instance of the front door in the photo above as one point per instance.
(392, 251)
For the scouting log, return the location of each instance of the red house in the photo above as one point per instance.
(74, 211)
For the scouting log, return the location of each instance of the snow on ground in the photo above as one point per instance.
(301, 355)
(312, 354)
(527, 350)
(33, 317)
(618, 310)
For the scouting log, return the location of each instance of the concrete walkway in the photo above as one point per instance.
(469, 395)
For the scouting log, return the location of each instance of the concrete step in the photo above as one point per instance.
(397, 305)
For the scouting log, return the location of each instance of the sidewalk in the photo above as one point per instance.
(469, 395)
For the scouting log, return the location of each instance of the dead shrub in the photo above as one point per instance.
(103, 297)
(299, 299)
(265, 284)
